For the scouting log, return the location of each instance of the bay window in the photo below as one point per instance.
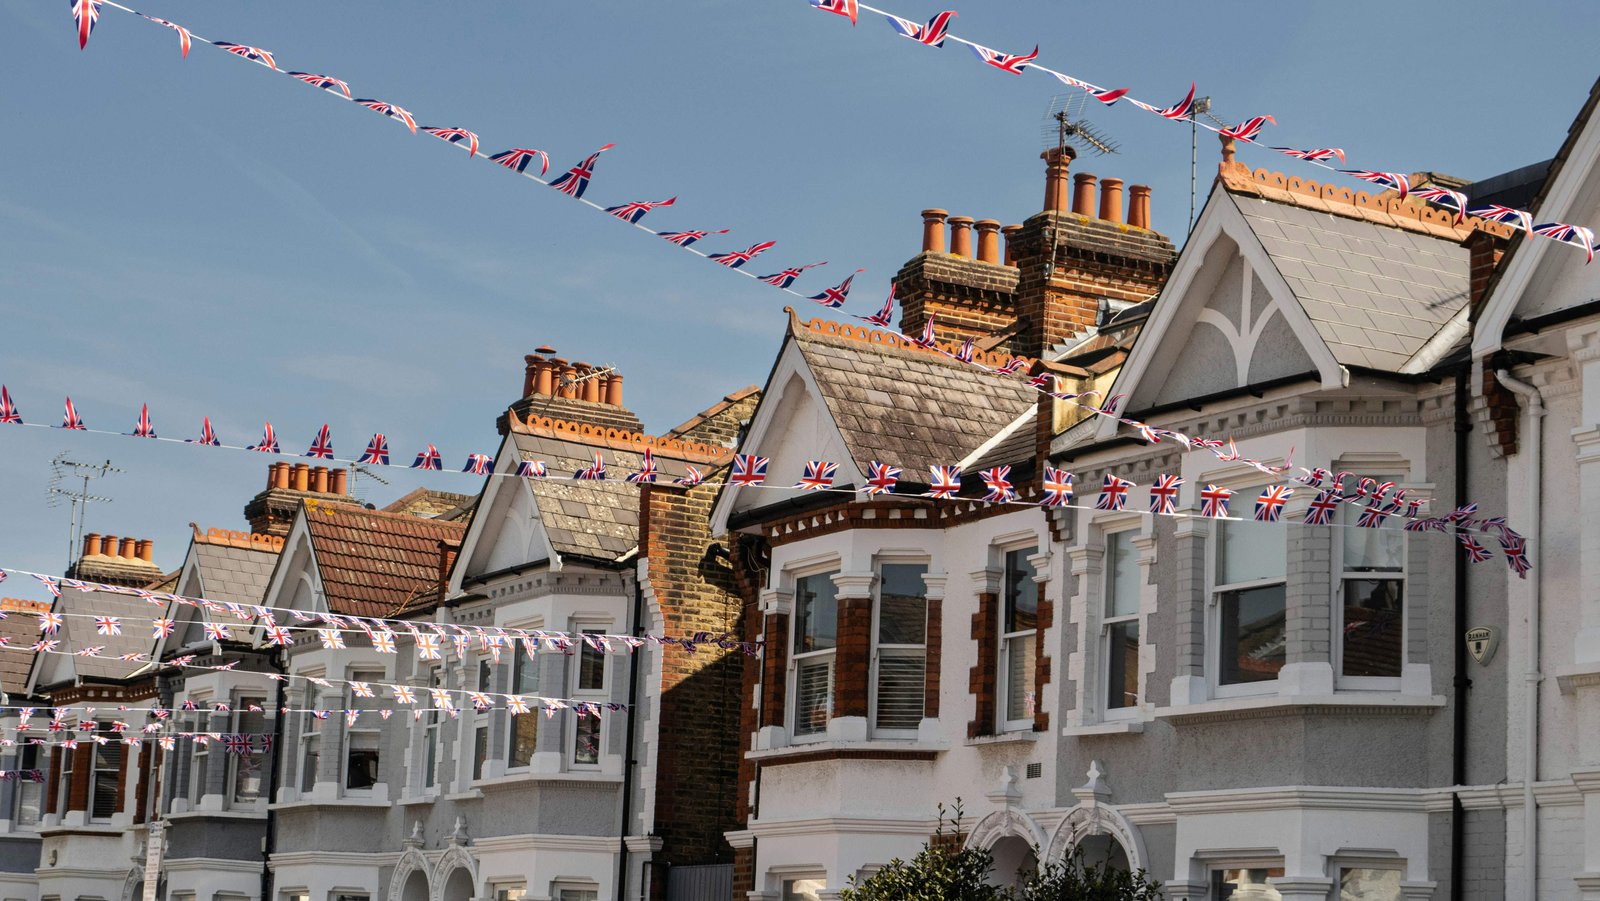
(105, 775)
(816, 632)
(524, 728)
(361, 756)
(900, 660)
(1370, 629)
(431, 732)
(249, 768)
(1248, 592)
(1019, 623)
(590, 685)
(1120, 623)
(30, 787)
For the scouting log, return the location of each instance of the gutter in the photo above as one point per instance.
(1531, 675)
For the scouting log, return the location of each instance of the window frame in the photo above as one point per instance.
(795, 660)
(600, 695)
(1108, 620)
(519, 661)
(1002, 682)
(372, 733)
(241, 705)
(432, 732)
(117, 771)
(41, 786)
(879, 650)
(1342, 574)
(1214, 591)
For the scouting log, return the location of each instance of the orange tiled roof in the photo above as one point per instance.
(250, 541)
(374, 563)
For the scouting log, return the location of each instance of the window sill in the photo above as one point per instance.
(1109, 727)
(515, 779)
(1003, 738)
(1376, 703)
(848, 750)
(217, 815)
(332, 802)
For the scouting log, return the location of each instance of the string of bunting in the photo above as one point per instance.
(937, 30)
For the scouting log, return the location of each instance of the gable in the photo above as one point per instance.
(295, 584)
(506, 529)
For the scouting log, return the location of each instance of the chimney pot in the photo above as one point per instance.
(933, 230)
(589, 389)
(280, 478)
(544, 376)
(302, 477)
(129, 548)
(1083, 194)
(1139, 206)
(319, 479)
(340, 483)
(91, 544)
(614, 390)
(562, 375)
(1010, 232)
(108, 545)
(961, 236)
(1057, 160)
(1111, 199)
(530, 372)
(147, 550)
(988, 240)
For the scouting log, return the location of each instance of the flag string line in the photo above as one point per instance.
(1451, 201)
(171, 715)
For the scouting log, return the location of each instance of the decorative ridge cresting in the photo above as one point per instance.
(1342, 201)
(620, 439)
(250, 541)
(866, 335)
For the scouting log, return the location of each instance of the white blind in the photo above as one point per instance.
(900, 690)
(1019, 677)
(813, 695)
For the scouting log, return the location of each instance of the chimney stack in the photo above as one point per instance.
(961, 236)
(1111, 199)
(108, 546)
(1139, 206)
(1083, 194)
(933, 230)
(91, 544)
(988, 241)
(1056, 162)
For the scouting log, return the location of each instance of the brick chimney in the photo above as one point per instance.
(271, 512)
(570, 391)
(112, 560)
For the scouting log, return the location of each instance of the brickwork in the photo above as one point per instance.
(78, 791)
(853, 664)
(1503, 411)
(744, 871)
(748, 555)
(981, 677)
(1042, 663)
(55, 780)
(775, 660)
(967, 299)
(934, 660)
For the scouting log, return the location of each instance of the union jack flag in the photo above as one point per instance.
(71, 420)
(883, 317)
(216, 631)
(143, 428)
(383, 642)
(322, 445)
(1321, 510)
(1108, 96)
(575, 181)
(1269, 506)
(428, 647)
(686, 239)
(1214, 501)
(532, 469)
(184, 40)
(47, 645)
(51, 585)
(1313, 156)
(1476, 552)
(404, 694)
(1110, 406)
(1568, 234)
(323, 81)
(50, 623)
(692, 479)
(91, 651)
(279, 636)
(749, 470)
(1164, 494)
(8, 410)
(1494, 212)
(377, 452)
(964, 353)
(518, 158)
(208, 437)
(1012, 366)
(392, 111)
(454, 136)
(1179, 110)
(846, 8)
(998, 483)
(428, 459)
(107, 625)
(932, 34)
(1462, 512)
(87, 12)
(161, 627)
(635, 210)
(1005, 62)
(269, 441)
(881, 478)
(1057, 487)
(1314, 476)
(818, 475)
(647, 469)
(480, 701)
(1396, 180)
(786, 278)
(1516, 548)
(943, 481)
(478, 464)
(250, 53)
(441, 698)
(595, 472)
(926, 340)
(833, 298)
(1248, 129)
(1113, 494)
(517, 704)
(332, 639)
(733, 259)
(1455, 201)
(1372, 517)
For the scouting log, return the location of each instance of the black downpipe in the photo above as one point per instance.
(270, 844)
(1458, 775)
(627, 752)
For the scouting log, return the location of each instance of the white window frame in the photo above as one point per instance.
(372, 731)
(1342, 575)
(200, 755)
(1107, 620)
(1002, 681)
(1244, 863)
(240, 705)
(830, 655)
(515, 889)
(43, 785)
(880, 651)
(1214, 592)
(594, 695)
(95, 770)
(520, 658)
(432, 731)
(567, 885)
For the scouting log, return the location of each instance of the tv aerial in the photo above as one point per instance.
(1201, 107)
(1067, 126)
(358, 472)
(63, 468)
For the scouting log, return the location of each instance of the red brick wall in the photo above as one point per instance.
(981, 677)
(776, 662)
(930, 697)
(744, 872)
(853, 663)
(54, 784)
(1092, 259)
(968, 299)
(1042, 663)
(78, 791)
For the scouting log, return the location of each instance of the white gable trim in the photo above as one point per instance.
(1221, 218)
(1575, 172)
(488, 516)
(285, 576)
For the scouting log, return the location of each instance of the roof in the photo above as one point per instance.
(593, 519)
(700, 419)
(426, 502)
(374, 563)
(899, 404)
(1375, 293)
(19, 630)
(78, 632)
(233, 574)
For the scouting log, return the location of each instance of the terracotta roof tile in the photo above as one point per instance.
(374, 563)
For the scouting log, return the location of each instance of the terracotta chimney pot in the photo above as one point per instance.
(1083, 194)
(544, 377)
(108, 545)
(91, 544)
(319, 479)
(129, 549)
(1139, 206)
(1057, 160)
(1010, 232)
(1111, 199)
(988, 240)
(530, 372)
(933, 230)
(281, 479)
(589, 389)
(961, 236)
(340, 481)
(146, 550)
(302, 477)
(564, 373)
(614, 390)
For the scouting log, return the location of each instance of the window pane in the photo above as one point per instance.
(1363, 884)
(1019, 678)
(485, 675)
(1021, 591)
(1254, 633)
(816, 604)
(361, 762)
(107, 779)
(577, 894)
(802, 889)
(1250, 551)
(902, 604)
(480, 751)
(586, 749)
(524, 739)
(1373, 611)
(1122, 575)
(249, 773)
(1122, 670)
(591, 665)
(1374, 550)
(510, 892)
(308, 770)
(1245, 885)
(30, 786)
(524, 675)
(813, 695)
(900, 691)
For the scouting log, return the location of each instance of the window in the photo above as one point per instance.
(1243, 884)
(591, 683)
(1368, 884)
(1372, 604)
(1019, 621)
(586, 741)
(576, 894)
(1121, 622)
(480, 750)
(249, 768)
(296, 896)
(508, 891)
(816, 633)
(309, 756)
(524, 731)
(30, 787)
(105, 777)
(1248, 591)
(902, 646)
(430, 733)
(69, 759)
(803, 889)
(361, 756)
(591, 665)
(200, 761)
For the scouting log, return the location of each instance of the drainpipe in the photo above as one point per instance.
(269, 844)
(1462, 683)
(627, 751)
(1532, 676)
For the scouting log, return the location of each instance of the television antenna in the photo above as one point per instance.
(62, 468)
(1067, 126)
(1201, 107)
(358, 471)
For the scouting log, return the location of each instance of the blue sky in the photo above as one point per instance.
(212, 239)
